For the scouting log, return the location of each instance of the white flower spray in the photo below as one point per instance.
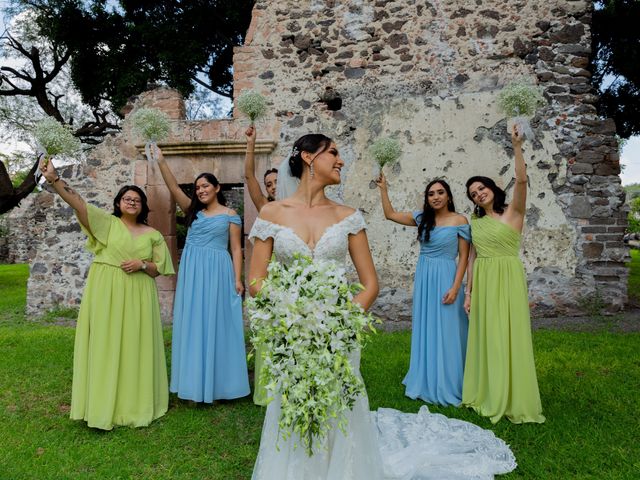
(252, 104)
(306, 321)
(152, 126)
(385, 151)
(52, 139)
(519, 101)
(55, 138)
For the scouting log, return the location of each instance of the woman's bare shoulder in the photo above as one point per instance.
(342, 211)
(272, 211)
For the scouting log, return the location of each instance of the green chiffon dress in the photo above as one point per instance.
(260, 395)
(500, 373)
(119, 366)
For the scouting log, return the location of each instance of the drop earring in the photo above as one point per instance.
(311, 172)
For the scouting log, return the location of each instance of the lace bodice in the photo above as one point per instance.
(332, 245)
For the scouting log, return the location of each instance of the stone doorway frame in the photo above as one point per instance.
(223, 158)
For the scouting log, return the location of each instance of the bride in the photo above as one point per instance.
(386, 444)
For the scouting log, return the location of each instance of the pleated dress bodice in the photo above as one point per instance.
(211, 231)
(492, 238)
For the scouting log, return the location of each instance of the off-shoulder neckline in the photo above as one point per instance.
(324, 233)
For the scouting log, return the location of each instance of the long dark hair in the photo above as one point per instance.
(313, 143)
(144, 212)
(428, 219)
(499, 195)
(196, 205)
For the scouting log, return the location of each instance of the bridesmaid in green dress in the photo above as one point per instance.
(119, 366)
(500, 373)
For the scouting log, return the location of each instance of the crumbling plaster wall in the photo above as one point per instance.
(429, 73)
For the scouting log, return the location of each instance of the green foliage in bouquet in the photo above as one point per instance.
(385, 151)
(56, 138)
(252, 104)
(305, 319)
(150, 124)
(520, 99)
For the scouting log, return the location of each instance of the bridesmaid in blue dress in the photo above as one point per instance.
(208, 358)
(439, 329)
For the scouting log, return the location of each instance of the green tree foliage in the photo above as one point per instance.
(633, 191)
(634, 215)
(118, 48)
(616, 62)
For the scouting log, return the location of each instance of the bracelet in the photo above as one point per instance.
(144, 266)
(54, 180)
(467, 293)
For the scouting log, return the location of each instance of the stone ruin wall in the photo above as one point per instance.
(50, 238)
(428, 72)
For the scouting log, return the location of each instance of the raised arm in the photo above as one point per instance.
(179, 196)
(236, 254)
(403, 218)
(519, 202)
(260, 257)
(361, 257)
(67, 193)
(255, 192)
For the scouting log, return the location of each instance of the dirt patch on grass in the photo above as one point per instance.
(624, 322)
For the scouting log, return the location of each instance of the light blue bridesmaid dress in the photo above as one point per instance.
(439, 331)
(208, 359)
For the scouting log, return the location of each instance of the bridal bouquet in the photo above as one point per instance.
(252, 104)
(305, 318)
(152, 126)
(55, 138)
(519, 101)
(385, 151)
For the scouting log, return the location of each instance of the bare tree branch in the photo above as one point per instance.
(11, 197)
(90, 132)
(213, 89)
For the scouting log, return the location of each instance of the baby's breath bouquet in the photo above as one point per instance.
(152, 125)
(306, 321)
(385, 151)
(252, 104)
(519, 101)
(55, 138)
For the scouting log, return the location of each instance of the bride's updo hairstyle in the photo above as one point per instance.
(313, 143)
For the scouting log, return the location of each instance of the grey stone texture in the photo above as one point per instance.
(427, 73)
(433, 69)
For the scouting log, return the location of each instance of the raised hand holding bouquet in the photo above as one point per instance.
(305, 318)
(152, 126)
(385, 151)
(55, 138)
(519, 101)
(252, 104)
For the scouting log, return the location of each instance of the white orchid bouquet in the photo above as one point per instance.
(305, 319)
(152, 126)
(519, 101)
(55, 138)
(385, 151)
(252, 104)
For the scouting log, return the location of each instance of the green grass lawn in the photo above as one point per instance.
(589, 384)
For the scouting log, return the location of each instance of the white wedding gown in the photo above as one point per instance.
(386, 444)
